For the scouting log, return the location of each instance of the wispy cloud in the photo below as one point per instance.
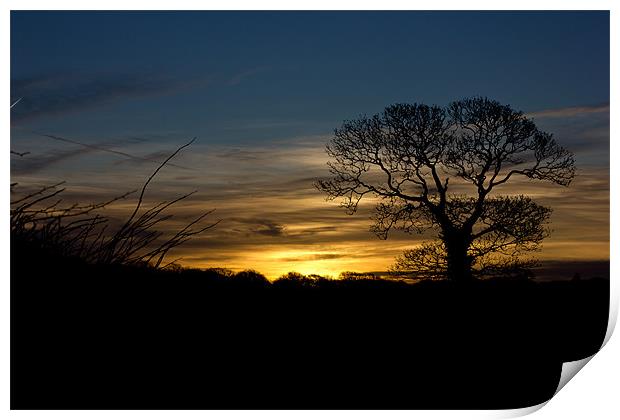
(570, 111)
(263, 227)
(275, 221)
(58, 94)
(269, 229)
(315, 257)
(43, 160)
(33, 163)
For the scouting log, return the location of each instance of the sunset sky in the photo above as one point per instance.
(262, 93)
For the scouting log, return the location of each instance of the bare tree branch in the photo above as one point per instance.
(406, 156)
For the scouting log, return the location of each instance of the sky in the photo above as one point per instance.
(263, 91)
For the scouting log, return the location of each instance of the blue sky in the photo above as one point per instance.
(200, 73)
(263, 91)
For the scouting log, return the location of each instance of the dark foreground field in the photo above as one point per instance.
(85, 337)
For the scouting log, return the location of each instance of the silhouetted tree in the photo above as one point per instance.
(412, 157)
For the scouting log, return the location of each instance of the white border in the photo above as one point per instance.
(592, 394)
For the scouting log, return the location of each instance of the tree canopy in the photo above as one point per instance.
(435, 168)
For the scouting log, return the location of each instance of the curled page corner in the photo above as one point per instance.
(569, 370)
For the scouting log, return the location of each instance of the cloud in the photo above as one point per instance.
(58, 94)
(259, 226)
(582, 130)
(569, 112)
(269, 228)
(38, 162)
(243, 155)
(33, 164)
(315, 257)
(275, 221)
(45, 159)
(154, 157)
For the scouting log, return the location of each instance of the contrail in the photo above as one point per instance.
(104, 149)
(16, 102)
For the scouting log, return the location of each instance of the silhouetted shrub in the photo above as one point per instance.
(218, 274)
(250, 279)
(39, 221)
(295, 280)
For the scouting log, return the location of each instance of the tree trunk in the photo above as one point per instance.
(459, 263)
